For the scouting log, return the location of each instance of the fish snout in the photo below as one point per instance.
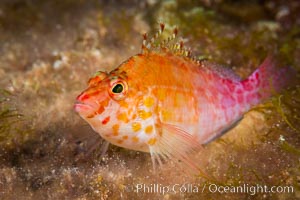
(85, 104)
(91, 102)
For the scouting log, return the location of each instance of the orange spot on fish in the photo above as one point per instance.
(105, 102)
(123, 117)
(133, 116)
(120, 141)
(166, 115)
(136, 126)
(152, 141)
(91, 115)
(144, 115)
(125, 137)
(100, 110)
(116, 128)
(123, 104)
(148, 102)
(106, 120)
(129, 111)
(149, 129)
(135, 139)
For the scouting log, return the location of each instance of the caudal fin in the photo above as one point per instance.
(266, 81)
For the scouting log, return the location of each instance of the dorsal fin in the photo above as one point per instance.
(224, 72)
(161, 42)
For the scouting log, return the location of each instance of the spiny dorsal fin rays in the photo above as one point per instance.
(171, 44)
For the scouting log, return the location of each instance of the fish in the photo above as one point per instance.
(170, 104)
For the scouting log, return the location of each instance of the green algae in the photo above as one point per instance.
(12, 127)
(290, 45)
(280, 110)
(289, 148)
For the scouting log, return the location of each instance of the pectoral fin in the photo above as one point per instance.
(176, 144)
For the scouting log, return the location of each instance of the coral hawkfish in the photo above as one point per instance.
(167, 103)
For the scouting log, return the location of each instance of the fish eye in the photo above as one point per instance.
(118, 88)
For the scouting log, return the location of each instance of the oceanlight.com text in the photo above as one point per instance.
(249, 189)
(208, 188)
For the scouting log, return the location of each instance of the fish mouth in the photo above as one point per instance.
(82, 107)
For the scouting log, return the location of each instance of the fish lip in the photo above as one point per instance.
(79, 106)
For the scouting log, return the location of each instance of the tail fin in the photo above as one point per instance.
(267, 80)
